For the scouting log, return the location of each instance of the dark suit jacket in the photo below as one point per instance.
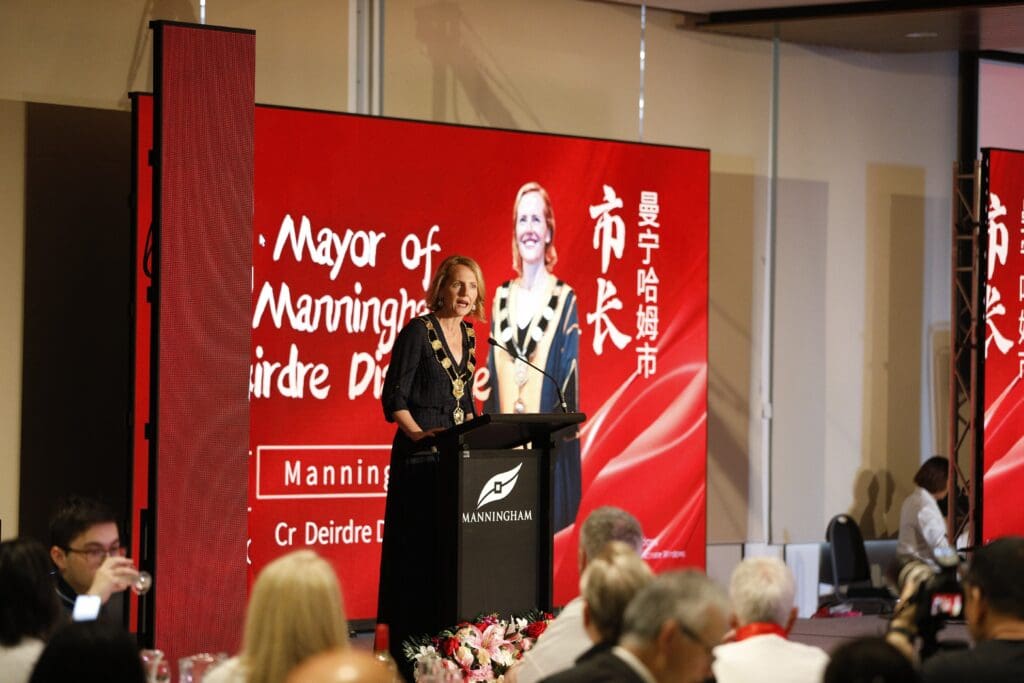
(603, 667)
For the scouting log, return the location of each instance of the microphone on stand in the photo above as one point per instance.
(561, 398)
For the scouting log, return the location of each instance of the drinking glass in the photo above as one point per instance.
(142, 582)
(191, 669)
(151, 660)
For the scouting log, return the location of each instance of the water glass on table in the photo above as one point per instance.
(156, 666)
(191, 669)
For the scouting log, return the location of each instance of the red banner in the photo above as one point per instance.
(353, 215)
(1004, 346)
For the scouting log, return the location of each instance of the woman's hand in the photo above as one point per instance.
(423, 434)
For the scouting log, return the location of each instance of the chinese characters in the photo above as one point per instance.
(609, 240)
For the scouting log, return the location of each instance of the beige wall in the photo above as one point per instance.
(864, 151)
(12, 252)
(92, 54)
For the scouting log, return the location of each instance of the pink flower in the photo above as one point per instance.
(470, 635)
(484, 673)
(492, 638)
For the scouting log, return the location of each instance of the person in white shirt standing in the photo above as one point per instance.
(922, 526)
(758, 649)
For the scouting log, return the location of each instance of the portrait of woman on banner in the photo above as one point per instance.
(535, 316)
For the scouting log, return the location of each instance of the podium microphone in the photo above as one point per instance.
(561, 398)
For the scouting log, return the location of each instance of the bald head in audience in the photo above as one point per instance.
(341, 666)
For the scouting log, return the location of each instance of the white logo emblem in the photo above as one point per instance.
(498, 486)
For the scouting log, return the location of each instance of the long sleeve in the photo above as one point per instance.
(922, 528)
(933, 526)
(405, 358)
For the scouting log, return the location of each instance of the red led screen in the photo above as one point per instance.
(203, 189)
(1002, 513)
(142, 179)
(352, 216)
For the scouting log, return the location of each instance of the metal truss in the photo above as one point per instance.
(966, 355)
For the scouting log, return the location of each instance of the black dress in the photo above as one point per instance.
(416, 381)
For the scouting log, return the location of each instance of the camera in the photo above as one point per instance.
(939, 598)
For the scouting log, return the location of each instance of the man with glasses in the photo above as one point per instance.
(670, 628)
(86, 551)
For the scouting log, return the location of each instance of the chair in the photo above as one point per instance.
(851, 573)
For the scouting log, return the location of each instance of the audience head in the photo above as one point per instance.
(609, 582)
(762, 590)
(346, 665)
(673, 623)
(28, 604)
(933, 475)
(83, 532)
(869, 660)
(295, 611)
(89, 652)
(606, 524)
(993, 588)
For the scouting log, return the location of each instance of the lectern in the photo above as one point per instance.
(475, 520)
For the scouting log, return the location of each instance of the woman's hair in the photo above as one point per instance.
(933, 475)
(295, 611)
(609, 582)
(89, 652)
(440, 279)
(869, 660)
(28, 600)
(550, 255)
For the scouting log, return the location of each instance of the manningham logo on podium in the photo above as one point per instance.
(498, 488)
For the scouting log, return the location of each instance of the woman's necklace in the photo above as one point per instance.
(442, 356)
(533, 333)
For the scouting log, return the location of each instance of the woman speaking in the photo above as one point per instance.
(427, 388)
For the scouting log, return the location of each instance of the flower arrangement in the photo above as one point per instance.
(481, 650)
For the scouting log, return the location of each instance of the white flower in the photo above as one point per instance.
(426, 651)
(504, 657)
(464, 656)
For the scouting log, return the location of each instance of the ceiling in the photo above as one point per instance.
(871, 25)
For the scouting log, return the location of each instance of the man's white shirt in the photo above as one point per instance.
(562, 642)
(769, 658)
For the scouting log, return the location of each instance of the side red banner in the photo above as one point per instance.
(1002, 513)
